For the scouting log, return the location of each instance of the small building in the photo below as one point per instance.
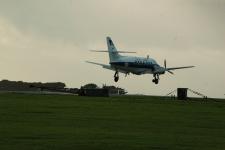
(92, 89)
(94, 92)
(182, 93)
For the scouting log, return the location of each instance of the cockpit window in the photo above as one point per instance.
(153, 61)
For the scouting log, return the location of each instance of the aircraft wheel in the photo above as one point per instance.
(156, 81)
(116, 76)
(116, 79)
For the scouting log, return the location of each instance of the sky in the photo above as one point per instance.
(49, 40)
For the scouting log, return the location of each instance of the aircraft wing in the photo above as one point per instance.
(103, 65)
(168, 69)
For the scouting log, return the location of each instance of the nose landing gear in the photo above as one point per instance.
(156, 79)
(116, 76)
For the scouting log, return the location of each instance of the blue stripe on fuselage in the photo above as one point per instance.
(146, 65)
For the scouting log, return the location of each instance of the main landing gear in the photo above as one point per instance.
(156, 78)
(116, 76)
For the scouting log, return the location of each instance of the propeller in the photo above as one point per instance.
(165, 63)
(165, 67)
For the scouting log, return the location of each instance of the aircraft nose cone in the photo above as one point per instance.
(160, 70)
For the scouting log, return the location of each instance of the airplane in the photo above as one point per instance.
(131, 64)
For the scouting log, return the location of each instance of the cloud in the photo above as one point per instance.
(171, 24)
(27, 56)
(48, 40)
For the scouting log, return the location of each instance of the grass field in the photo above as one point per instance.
(56, 122)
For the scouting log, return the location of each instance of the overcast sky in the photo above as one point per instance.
(49, 40)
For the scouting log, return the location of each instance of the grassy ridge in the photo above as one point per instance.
(44, 122)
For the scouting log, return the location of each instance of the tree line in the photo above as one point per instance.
(6, 85)
(30, 86)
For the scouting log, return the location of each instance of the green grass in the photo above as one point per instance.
(45, 122)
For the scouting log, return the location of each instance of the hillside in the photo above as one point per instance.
(44, 122)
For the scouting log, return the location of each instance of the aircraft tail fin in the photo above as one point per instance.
(113, 53)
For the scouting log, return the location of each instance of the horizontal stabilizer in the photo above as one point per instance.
(111, 51)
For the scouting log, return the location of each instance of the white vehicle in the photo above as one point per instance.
(135, 65)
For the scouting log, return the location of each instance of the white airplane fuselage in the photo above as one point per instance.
(136, 65)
